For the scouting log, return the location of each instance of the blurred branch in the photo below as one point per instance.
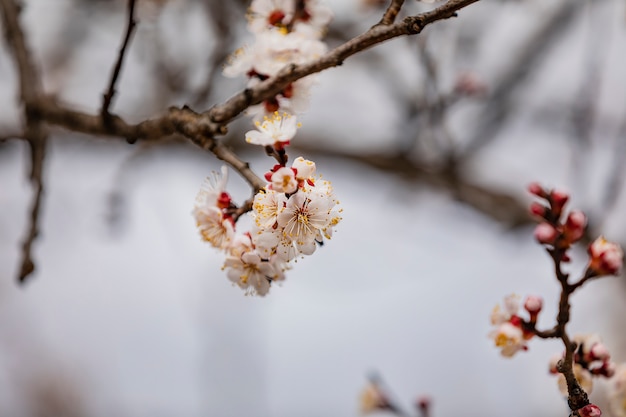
(497, 205)
(218, 13)
(34, 132)
(499, 107)
(200, 129)
(108, 96)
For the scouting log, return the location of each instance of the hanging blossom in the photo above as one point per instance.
(248, 270)
(296, 211)
(211, 211)
(289, 222)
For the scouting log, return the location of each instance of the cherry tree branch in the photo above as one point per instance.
(35, 131)
(107, 97)
(199, 128)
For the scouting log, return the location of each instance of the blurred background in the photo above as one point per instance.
(429, 142)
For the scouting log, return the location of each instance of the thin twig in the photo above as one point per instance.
(107, 97)
(392, 12)
(34, 131)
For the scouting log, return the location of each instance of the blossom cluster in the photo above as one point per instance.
(286, 32)
(297, 210)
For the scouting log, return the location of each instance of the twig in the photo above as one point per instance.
(34, 131)
(577, 397)
(107, 97)
(499, 107)
(392, 12)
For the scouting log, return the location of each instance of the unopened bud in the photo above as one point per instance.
(536, 189)
(599, 352)
(537, 209)
(533, 304)
(558, 198)
(575, 226)
(590, 410)
(606, 258)
(423, 403)
(545, 233)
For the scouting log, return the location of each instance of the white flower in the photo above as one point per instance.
(284, 180)
(214, 226)
(249, 272)
(305, 169)
(212, 188)
(274, 49)
(317, 16)
(508, 334)
(305, 214)
(509, 338)
(267, 204)
(277, 129)
(240, 62)
(271, 14)
(265, 14)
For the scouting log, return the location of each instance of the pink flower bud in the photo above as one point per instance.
(575, 226)
(536, 189)
(545, 233)
(423, 403)
(533, 304)
(590, 410)
(606, 258)
(537, 209)
(469, 84)
(599, 352)
(608, 369)
(558, 198)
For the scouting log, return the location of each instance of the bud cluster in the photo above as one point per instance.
(591, 359)
(558, 234)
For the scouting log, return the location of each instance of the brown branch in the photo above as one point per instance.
(182, 121)
(392, 12)
(34, 131)
(198, 128)
(411, 25)
(577, 397)
(107, 97)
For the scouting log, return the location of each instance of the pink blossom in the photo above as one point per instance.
(575, 226)
(606, 258)
(536, 189)
(545, 233)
